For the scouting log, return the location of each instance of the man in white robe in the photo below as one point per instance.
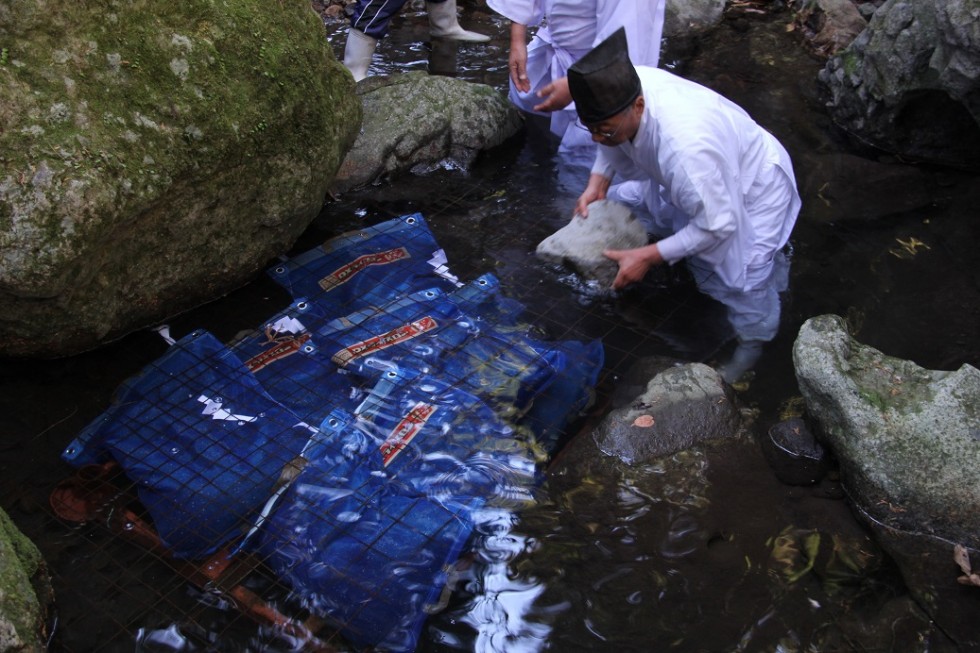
(720, 184)
(566, 31)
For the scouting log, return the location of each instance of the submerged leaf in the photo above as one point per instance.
(962, 558)
(644, 421)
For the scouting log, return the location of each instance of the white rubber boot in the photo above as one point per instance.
(743, 359)
(358, 52)
(443, 23)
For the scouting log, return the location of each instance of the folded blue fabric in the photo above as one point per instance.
(202, 441)
(358, 552)
(285, 356)
(367, 267)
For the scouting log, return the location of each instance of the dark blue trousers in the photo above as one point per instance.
(372, 16)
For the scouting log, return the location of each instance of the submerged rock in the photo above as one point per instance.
(794, 454)
(153, 157)
(679, 408)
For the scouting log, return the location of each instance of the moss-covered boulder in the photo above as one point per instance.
(908, 443)
(25, 591)
(906, 437)
(154, 155)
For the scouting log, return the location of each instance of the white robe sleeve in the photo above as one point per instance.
(689, 241)
(524, 12)
(706, 192)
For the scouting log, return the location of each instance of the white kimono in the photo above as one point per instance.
(721, 184)
(567, 29)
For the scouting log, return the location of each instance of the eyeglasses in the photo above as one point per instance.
(595, 131)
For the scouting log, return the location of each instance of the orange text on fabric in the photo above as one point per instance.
(347, 272)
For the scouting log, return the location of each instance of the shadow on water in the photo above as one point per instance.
(670, 557)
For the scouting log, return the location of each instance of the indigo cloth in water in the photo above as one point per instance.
(443, 442)
(367, 267)
(286, 358)
(356, 550)
(202, 440)
(440, 334)
(351, 436)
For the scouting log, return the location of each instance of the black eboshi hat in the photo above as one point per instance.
(604, 82)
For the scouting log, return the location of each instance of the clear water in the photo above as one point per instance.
(661, 557)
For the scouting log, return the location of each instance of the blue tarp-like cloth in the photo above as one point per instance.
(357, 548)
(201, 439)
(367, 267)
(444, 442)
(405, 398)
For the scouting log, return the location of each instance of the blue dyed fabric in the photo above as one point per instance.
(201, 439)
(568, 396)
(441, 334)
(446, 443)
(285, 357)
(366, 267)
(406, 399)
(358, 552)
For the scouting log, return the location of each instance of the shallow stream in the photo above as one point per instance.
(681, 565)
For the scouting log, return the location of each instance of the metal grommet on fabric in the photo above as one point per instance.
(302, 306)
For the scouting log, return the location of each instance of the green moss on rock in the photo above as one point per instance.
(25, 591)
(140, 136)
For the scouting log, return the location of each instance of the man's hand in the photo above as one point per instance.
(595, 190)
(517, 60)
(556, 96)
(633, 263)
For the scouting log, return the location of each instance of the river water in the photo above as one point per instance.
(679, 565)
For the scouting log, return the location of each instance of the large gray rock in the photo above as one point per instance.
(416, 121)
(908, 443)
(910, 83)
(580, 243)
(154, 156)
(679, 408)
(25, 592)
(906, 437)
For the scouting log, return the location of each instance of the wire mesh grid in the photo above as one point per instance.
(276, 487)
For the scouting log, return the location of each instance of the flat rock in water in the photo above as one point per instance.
(580, 243)
(679, 408)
